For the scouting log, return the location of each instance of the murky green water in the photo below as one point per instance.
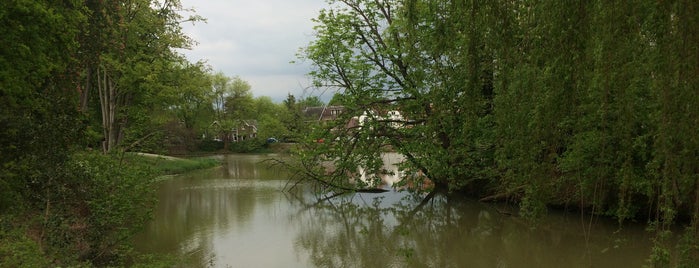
(239, 216)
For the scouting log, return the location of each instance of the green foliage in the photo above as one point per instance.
(337, 99)
(210, 145)
(311, 101)
(270, 126)
(591, 104)
(383, 56)
(37, 97)
(133, 69)
(255, 145)
(93, 215)
(61, 208)
(84, 215)
(18, 250)
(688, 248)
(169, 165)
(292, 119)
(64, 208)
(239, 103)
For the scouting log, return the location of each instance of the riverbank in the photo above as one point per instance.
(246, 202)
(170, 165)
(92, 204)
(238, 148)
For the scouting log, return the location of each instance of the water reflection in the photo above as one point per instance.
(238, 216)
(380, 231)
(202, 215)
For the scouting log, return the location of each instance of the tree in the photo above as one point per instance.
(75, 211)
(127, 45)
(542, 102)
(182, 110)
(269, 116)
(239, 104)
(38, 125)
(353, 55)
(191, 96)
(311, 101)
(337, 100)
(221, 90)
(390, 55)
(233, 103)
(292, 118)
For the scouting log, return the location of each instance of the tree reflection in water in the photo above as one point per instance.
(240, 216)
(438, 230)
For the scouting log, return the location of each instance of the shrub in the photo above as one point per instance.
(94, 209)
(119, 199)
(210, 145)
(18, 250)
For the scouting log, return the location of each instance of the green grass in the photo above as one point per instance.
(19, 250)
(184, 165)
(172, 165)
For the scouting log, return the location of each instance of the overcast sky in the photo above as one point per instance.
(256, 40)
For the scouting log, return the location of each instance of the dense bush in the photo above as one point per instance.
(118, 198)
(19, 250)
(210, 145)
(86, 217)
(248, 146)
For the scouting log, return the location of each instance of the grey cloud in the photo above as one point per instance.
(255, 40)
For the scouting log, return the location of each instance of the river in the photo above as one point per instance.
(239, 215)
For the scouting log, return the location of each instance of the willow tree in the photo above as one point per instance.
(594, 109)
(541, 71)
(671, 33)
(428, 60)
(587, 103)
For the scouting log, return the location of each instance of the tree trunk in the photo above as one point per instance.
(109, 104)
(695, 217)
(85, 91)
(226, 141)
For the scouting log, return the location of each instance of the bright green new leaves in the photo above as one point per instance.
(420, 60)
(57, 58)
(129, 51)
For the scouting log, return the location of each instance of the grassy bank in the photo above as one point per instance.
(168, 165)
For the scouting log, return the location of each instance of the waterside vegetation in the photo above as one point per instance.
(589, 105)
(82, 84)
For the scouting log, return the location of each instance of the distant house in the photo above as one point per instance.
(247, 129)
(393, 118)
(323, 113)
(244, 130)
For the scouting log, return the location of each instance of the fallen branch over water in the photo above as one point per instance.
(307, 175)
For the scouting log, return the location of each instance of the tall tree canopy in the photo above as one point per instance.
(65, 67)
(129, 45)
(37, 93)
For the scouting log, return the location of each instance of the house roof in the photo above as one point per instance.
(322, 112)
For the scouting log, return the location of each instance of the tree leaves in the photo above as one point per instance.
(576, 102)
